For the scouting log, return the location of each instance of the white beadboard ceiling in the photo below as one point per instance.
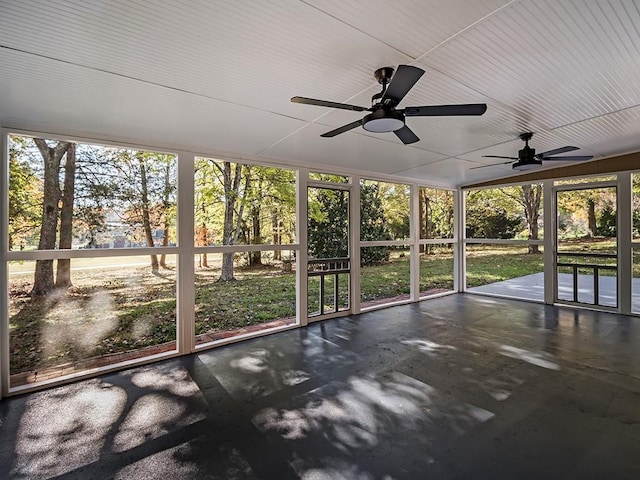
(216, 77)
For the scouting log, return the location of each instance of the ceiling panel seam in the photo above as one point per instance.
(147, 82)
(358, 30)
(399, 172)
(465, 29)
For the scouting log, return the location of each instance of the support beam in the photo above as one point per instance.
(550, 232)
(302, 177)
(625, 252)
(186, 291)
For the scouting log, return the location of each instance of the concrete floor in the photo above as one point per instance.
(457, 387)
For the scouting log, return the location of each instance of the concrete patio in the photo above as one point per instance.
(531, 287)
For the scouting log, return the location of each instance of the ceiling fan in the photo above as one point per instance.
(528, 159)
(384, 116)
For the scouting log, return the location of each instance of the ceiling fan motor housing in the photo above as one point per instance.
(527, 154)
(383, 120)
(527, 159)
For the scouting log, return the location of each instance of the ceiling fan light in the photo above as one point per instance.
(382, 121)
(381, 125)
(523, 166)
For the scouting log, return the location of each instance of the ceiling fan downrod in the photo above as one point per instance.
(383, 76)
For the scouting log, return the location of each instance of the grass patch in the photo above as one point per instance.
(436, 268)
(495, 263)
(386, 280)
(256, 296)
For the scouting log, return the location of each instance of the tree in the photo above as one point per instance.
(372, 224)
(271, 199)
(63, 273)
(580, 210)
(142, 197)
(395, 200)
(492, 214)
(168, 205)
(231, 182)
(25, 197)
(205, 195)
(43, 279)
(89, 221)
(97, 186)
(237, 203)
(145, 208)
(258, 193)
(529, 196)
(436, 214)
(591, 216)
(635, 185)
(328, 225)
(607, 222)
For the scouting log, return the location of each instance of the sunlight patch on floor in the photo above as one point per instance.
(72, 435)
(427, 346)
(256, 362)
(534, 358)
(150, 417)
(367, 410)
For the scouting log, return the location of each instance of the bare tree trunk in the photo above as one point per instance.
(63, 273)
(228, 232)
(427, 227)
(165, 206)
(423, 216)
(256, 257)
(146, 221)
(236, 189)
(531, 196)
(51, 156)
(201, 241)
(591, 215)
(165, 243)
(202, 238)
(277, 234)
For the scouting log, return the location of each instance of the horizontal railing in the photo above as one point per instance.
(595, 267)
(323, 267)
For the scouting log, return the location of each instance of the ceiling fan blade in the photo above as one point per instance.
(342, 129)
(446, 110)
(499, 156)
(402, 81)
(324, 103)
(406, 135)
(556, 151)
(570, 157)
(491, 165)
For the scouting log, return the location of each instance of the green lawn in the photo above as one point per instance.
(256, 296)
(495, 263)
